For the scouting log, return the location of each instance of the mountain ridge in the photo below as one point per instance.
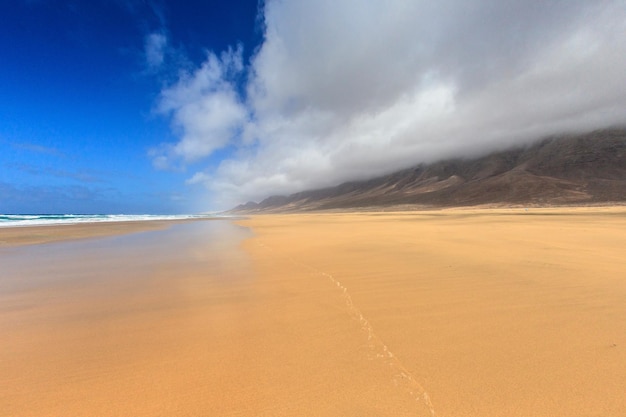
(587, 168)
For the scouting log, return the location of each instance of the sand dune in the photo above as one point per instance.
(456, 313)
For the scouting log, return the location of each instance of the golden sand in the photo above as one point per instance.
(461, 313)
(490, 312)
(30, 235)
(146, 324)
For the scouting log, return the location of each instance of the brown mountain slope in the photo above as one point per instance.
(580, 169)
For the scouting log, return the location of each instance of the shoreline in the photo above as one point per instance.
(483, 313)
(11, 236)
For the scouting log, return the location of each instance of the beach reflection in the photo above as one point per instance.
(124, 325)
(210, 245)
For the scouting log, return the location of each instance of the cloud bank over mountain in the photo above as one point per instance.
(348, 90)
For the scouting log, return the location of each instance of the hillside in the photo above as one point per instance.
(562, 170)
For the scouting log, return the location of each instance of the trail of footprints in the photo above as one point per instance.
(377, 349)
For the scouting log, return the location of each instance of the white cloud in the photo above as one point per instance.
(205, 109)
(352, 89)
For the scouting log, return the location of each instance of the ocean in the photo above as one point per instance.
(9, 220)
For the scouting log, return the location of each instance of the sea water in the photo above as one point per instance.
(9, 220)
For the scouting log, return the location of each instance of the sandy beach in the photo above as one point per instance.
(490, 312)
(33, 235)
(450, 313)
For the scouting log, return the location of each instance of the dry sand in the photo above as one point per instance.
(464, 313)
(491, 312)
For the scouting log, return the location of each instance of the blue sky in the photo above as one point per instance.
(77, 99)
(157, 106)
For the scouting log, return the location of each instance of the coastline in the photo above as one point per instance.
(41, 234)
(483, 312)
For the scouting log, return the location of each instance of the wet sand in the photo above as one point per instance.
(143, 324)
(460, 313)
(32, 235)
